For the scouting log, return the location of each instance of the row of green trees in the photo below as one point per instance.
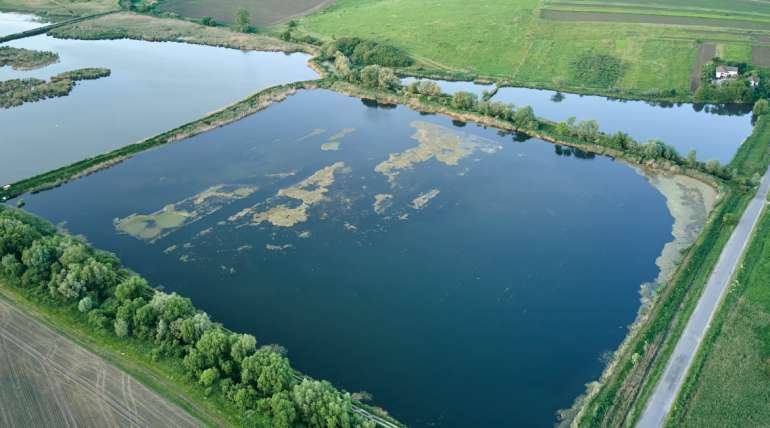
(59, 270)
(523, 118)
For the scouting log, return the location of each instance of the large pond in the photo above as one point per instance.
(463, 277)
(153, 87)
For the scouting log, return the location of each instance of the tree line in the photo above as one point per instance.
(57, 270)
(375, 76)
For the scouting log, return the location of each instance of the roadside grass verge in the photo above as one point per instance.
(729, 382)
(639, 363)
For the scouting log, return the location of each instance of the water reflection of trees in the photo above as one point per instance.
(377, 104)
(568, 151)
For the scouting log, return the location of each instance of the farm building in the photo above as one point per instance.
(726, 72)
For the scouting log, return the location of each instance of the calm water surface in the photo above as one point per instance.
(482, 292)
(451, 86)
(714, 132)
(153, 87)
(11, 23)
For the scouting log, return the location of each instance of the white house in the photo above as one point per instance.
(726, 72)
(753, 81)
(7, 187)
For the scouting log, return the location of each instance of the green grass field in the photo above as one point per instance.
(263, 12)
(730, 383)
(509, 40)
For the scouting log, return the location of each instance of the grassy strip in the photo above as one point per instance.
(26, 59)
(219, 118)
(641, 360)
(736, 19)
(165, 377)
(750, 275)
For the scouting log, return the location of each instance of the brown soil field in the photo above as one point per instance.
(636, 18)
(263, 12)
(706, 52)
(760, 56)
(49, 381)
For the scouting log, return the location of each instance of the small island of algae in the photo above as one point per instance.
(382, 201)
(435, 142)
(421, 201)
(151, 227)
(308, 192)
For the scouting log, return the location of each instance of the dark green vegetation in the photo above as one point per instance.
(47, 28)
(25, 59)
(729, 382)
(228, 114)
(16, 92)
(640, 362)
(597, 69)
(367, 52)
(251, 385)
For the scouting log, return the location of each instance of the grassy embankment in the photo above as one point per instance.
(509, 42)
(631, 377)
(16, 92)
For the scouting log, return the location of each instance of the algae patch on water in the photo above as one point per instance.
(435, 142)
(382, 201)
(421, 201)
(151, 227)
(330, 147)
(311, 134)
(303, 195)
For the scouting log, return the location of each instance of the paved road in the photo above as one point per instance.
(670, 383)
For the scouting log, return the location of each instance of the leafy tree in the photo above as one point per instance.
(386, 79)
(131, 288)
(11, 267)
(525, 118)
(243, 20)
(692, 158)
(85, 304)
(266, 369)
(214, 347)
(464, 100)
(209, 376)
(15, 236)
(320, 405)
(282, 409)
(342, 65)
(370, 75)
(208, 20)
(121, 327)
(243, 345)
(760, 107)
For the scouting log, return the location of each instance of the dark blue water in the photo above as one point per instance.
(490, 306)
